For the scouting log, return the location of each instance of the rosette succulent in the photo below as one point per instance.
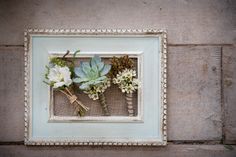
(91, 73)
(93, 80)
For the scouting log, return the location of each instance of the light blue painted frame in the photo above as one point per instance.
(152, 131)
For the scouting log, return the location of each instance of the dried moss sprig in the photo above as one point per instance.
(119, 64)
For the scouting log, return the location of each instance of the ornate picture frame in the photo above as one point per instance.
(149, 131)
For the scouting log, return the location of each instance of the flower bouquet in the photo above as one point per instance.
(93, 80)
(59, 77)
(125, 77)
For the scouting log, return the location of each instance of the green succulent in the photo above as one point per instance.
(91, 73)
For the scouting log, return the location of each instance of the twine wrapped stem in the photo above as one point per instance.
(104, 105)
(129, 102)
(79, 106)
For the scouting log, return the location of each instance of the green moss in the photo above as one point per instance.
(58, 61)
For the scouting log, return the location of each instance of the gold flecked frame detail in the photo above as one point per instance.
(163, 97)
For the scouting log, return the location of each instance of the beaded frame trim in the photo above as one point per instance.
(116, 142)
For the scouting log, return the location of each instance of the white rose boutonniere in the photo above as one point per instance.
(58, 76)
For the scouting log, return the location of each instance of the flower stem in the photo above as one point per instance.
(102, 100)
(129, 102)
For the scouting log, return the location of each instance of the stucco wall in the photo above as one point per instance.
(201, 69)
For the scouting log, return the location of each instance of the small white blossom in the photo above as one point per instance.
(59, 76)
(126, 81)
(94, 91)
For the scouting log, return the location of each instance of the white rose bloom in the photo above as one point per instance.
(60, 76)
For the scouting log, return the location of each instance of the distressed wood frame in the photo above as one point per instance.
(93, 32)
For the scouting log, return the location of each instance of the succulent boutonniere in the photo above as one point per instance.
(59, 77)
(93, 80)
(125, 77)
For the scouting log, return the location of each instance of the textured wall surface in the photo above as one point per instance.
(201, 76)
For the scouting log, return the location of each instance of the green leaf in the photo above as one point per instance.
(101, 78)
(100, 66)
(93, 63)
(94, 66)
(79, 72)
(80, 80)
(97, 59)
(85, 86)
(105, 69)
(86, 67)
(47, 83)
(92, 75)
(78, 51)
(74, 55)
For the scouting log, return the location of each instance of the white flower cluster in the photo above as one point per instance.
(59, 76)
(126, 81)
(95, 90)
